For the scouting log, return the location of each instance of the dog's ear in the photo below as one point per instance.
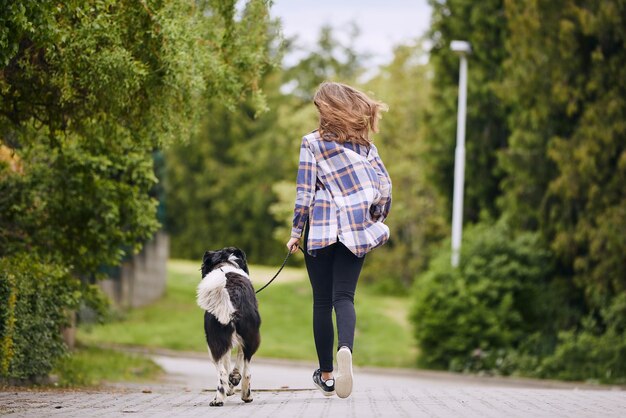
(207, 260)
(241, 256)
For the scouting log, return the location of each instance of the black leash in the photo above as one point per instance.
(279, 270)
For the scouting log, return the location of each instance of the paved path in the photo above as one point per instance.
(283, 390)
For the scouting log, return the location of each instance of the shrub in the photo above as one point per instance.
(35, 300)
(471, 317)
(597, 351)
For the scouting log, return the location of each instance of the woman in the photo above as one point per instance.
(343, 197)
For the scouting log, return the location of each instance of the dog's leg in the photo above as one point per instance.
(246, 394)
(231, 389)
(235, 376)
(222, 381)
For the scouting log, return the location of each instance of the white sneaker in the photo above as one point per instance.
(343, 380)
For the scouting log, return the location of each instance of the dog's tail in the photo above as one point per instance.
(213, 297)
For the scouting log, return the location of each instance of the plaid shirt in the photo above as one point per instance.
(344, 191)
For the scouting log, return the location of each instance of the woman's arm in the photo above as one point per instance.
(305, 189)
(381, 209)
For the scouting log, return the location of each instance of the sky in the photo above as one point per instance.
(383, 23)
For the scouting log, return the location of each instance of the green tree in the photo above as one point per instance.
(330, 60)
(416, 223)
(566, 165)
(483, 24)
(88, 91)
(221, 186)
(560, 80)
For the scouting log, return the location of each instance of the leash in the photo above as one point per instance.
(279, 270)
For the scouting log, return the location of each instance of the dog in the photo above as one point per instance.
(231, 319)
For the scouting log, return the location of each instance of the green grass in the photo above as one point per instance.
(383, 335)
(91, 366)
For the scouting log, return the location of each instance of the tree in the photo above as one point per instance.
(330, 60)
(483, 24)
(416, 222)
(561, 82)
(221, 186)
(89, 90)
(566, 165)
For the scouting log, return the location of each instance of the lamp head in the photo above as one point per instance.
(461, 47)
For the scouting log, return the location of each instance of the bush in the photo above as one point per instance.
(471, 317)
(35, 301)
(597, 351)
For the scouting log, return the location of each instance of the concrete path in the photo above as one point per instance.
(283, 389)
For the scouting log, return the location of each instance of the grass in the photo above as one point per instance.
(91, 366)
(383, 335)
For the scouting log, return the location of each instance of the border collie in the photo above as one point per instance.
(231, 319)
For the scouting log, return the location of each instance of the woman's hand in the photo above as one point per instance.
(293, 245)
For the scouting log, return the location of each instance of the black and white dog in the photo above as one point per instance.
(231, 319)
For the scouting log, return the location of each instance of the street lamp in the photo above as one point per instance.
(463, 49)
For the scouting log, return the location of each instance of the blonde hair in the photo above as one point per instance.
(346, 114)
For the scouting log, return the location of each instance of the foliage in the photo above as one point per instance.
(88, 96)
(282, 209)
(78, 204)
(220, 186)
(142, 66)
(88, 92)
(416, 223)
(35, 300)
(546, 93)
(331, 59)
(594, 352)
(489, 304)
(484, 25)
(566, 166)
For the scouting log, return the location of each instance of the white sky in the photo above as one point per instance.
(383, 23)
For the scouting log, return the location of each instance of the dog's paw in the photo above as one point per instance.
(246, 397)
(230, 391)
(215, 402)
(234, 378)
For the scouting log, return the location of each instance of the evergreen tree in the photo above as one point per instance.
(483, 24)
(221, 185)
(562, 80)
(566, 165)
(416, 223)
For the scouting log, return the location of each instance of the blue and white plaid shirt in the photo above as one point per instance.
(344, 191)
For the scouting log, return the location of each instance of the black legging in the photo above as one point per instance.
(333, 273)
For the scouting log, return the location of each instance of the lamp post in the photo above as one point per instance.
(463, 49)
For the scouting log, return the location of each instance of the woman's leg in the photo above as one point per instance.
(320, 269)
(346, 270)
